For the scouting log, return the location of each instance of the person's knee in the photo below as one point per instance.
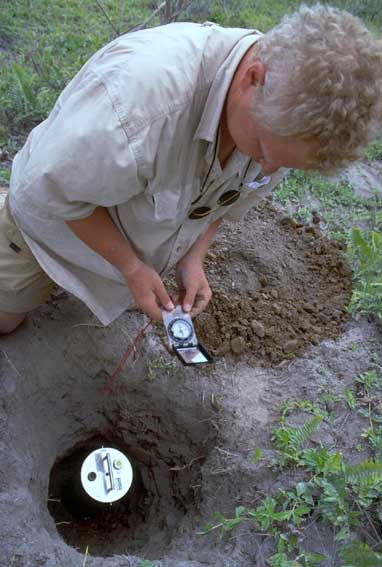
(10, 321)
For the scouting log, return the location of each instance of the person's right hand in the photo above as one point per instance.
(148, 290)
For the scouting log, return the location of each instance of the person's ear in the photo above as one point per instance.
(255, 73)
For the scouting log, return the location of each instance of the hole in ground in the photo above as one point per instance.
(163, 420)
(166, 487)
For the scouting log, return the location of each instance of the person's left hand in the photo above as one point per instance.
(194, 289)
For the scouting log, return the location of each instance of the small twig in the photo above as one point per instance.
(210, 529)
(188, 464)
(62, 523)
(148, 20)
(10, 362)
(108, 17)
(54, 499)
(211, 421)
(369, 521)
(282, 382)
(86, 554)
(219, 472)
(88, 325)
(182, 8)
(224, 452)
(370, 418)
(109, 384)
(262, 534)
(340, 427)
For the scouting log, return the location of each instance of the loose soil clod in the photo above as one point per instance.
(279, 288)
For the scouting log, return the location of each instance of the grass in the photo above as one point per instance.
(336, 203)
(43, 44)
(374, 152)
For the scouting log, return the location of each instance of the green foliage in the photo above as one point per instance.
(365, 252)
(44, 45)
(321, 460)
(366, 481)
(145, 563)
(357, 554)
(288, 440)
(165, 366)
(369, 10)
(369, 386)
(304, 405)
(226, 524)
(264, 14)
(350, 398)
(333, 504)
(256, 456)
(5, 175)
(373, 434)
(339, 495)
(368, 380)
(374, 152)
(336, 202)
(306, 559)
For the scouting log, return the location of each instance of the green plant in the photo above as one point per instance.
(365, 252)
(350, 398)
(164, 367)
(145, 563)
(288, 440)
(368, 380)
(374, 152)
(358, 554)
(256, 456)
(337, 204)
(44, 44)
(346, 497)
(5, 175)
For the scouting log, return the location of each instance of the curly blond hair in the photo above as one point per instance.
(323, 83)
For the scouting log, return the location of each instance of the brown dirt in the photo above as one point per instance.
(278, 287)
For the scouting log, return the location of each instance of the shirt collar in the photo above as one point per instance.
(209, 123)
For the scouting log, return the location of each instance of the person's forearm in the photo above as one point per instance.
(200, 248)
(100, 233)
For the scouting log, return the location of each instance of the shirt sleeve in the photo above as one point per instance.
(78, 159)
(254, 196)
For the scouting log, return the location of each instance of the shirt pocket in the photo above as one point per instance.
(166, 204)
(171, 205)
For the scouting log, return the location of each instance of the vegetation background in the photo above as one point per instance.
(43, 43)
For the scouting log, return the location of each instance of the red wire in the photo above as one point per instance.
(109, 384)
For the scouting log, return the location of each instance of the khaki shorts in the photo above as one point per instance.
(23, 283)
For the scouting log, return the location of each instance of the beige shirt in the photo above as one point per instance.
(135, 131)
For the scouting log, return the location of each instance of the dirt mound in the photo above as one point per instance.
(278, 287)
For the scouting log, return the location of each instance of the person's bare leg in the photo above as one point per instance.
(10, 321)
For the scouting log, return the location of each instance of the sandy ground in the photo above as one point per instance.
(278, 330)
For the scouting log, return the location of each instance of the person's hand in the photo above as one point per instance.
(194, 289)
(148, 290)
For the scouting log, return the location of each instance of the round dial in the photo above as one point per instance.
(180, 330)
